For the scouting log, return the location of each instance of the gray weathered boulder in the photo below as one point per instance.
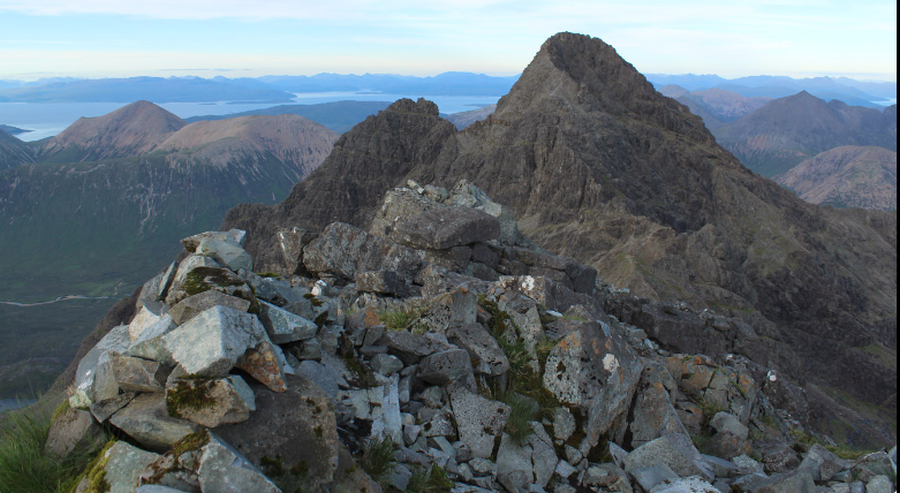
(675, 451)
(225, 253)
(308, 413)
(211, 343)
(489, 358)
(93, 379)
(479, 420)
(137, 374)
(210, 402)
(594, 370)
(446, 227)
(150, 345)
(122, 465)
(236, 237)
(147, 420)
(284, 326)
(653, 413)
(723, 421)
(74, 430)
(452, 365)
(343, 250)
(223, 469)
(796, 481)
(191, 306)
(514, 468)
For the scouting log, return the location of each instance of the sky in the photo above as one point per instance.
(238, 38)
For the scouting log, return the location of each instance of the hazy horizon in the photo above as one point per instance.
(109, 39)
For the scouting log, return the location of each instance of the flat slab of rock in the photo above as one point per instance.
(149, 344)
(233, 236)
(446, 227)
(211, 343)
(223, 469)
(226, 253)
(284, 326)
(124, 464)
(147, 420)
(479, 420)
(191, 306)
(675, 451)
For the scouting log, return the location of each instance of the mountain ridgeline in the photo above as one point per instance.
(599, 166)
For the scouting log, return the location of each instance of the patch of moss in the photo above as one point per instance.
(194, 441)
(193, 394)
(268, 274)
(95, 472)
(60, 410)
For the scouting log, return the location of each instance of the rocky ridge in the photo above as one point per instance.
(596, 165)
(478, 361)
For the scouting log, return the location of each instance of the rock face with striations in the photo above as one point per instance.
(597, 165)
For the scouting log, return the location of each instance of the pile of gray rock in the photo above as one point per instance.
(443, 333)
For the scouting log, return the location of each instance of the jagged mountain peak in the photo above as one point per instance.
(574, 72)
(132, 129)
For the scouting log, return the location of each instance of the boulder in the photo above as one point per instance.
(543, 455)
(284, 326)
(234, 236)
(797, 481)
(489, 359)
(138, 375)
(210, 402)
(121, 466)
(514, 469)
(147, 420)
(381, 282)
(74, 430)
(265, 362)
(441, 368)
(225, 253)
(291, 241)
(224, 470)
(723, 421)
(211, 343)
(93, 381)
(409, 347)
(652, 414)
(191, 306)
(147, 315)
(685, 485)
(652, 475)
(176, 291)
(595, 371)
(675, 451)
(303, 415)
(456, 308)
(445, 227)
(150, 345)
(479, 420)
(343, 250)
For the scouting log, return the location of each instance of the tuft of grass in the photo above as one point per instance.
(24, 467)
(523, 410)
(378, 459)
(431, 480)
(396, 319)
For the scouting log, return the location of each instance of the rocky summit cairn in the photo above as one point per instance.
(439, 350)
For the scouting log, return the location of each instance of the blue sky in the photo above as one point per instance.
(236, 38)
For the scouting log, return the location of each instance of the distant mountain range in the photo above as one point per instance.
(281, 88)
(786, 131)
(339, 116)
(850, 91)
(715, 106)
(104, 203)
(847, 176)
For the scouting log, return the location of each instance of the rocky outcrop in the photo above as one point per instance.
(510, 376)
(596, 165)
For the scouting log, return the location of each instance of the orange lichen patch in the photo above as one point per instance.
(571, 341)
(371, 317)
(264, 366)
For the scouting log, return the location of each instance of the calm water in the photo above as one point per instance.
(48, 119)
